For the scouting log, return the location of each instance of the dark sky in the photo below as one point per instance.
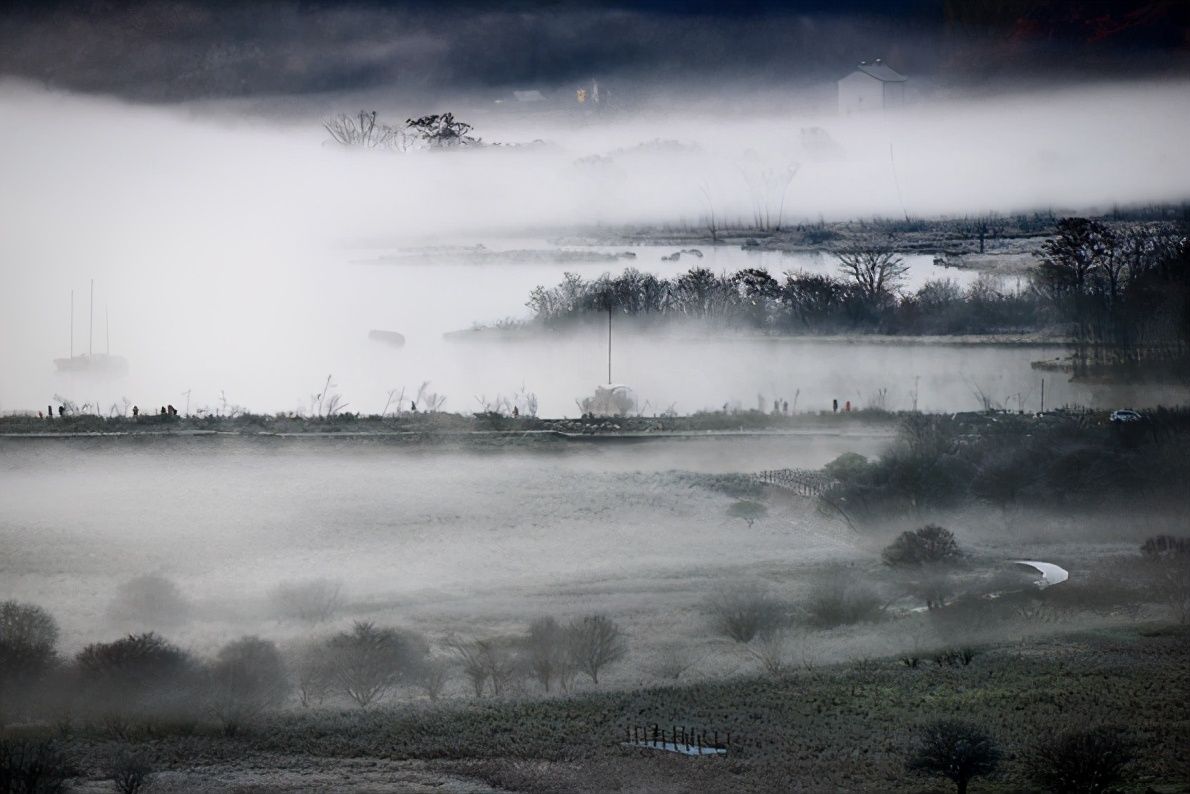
(184, 49)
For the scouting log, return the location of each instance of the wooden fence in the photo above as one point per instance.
(678, 739)
(803, 482)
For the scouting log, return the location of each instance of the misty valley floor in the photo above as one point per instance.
(453, 542)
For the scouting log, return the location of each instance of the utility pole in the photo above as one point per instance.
(1043, 395)
(91, 324)
(72, 323)
(609, 343)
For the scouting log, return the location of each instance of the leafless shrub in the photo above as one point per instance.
(487, 663)
(312, 601)
(838, 602)
(744, 613)
(313, 673)
(673, 661)
(363, 131)
(247, 678)
(434, 678)
(1086, 761)
(774, 651)
(129, 770)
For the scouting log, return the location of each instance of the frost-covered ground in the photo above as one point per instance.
(409, 532)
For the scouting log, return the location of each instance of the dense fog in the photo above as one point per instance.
(227, 254)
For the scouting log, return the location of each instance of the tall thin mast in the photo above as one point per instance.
(72, 323)
(91, 322)
(107, 323)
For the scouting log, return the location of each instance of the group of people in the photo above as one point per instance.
(166, 410)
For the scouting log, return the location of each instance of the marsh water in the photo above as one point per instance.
(268, 343)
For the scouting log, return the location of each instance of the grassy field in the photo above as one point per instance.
(841, 727)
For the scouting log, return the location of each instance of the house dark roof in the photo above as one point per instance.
(881, 71)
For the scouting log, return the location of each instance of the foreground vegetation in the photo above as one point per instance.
(853, 727)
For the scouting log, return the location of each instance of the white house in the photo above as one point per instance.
(874, 85)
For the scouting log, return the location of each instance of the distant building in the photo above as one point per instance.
(874, 85)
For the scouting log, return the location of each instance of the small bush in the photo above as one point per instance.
(31, 767)
(1081, 762)
(748, 511)
(744, 613)
(836, 602)
(149, 602)
(956, 750)
(930, 545)
(955, 657)
(129, 770)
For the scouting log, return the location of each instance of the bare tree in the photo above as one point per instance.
(368, 661)
(247, 678)
(546, 649)
(955, 750)
(875, 271)
(594, 642)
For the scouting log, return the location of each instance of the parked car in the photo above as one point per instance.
(1126, 415)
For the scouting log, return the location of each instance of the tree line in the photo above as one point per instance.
(867, 295)
(1122, 292)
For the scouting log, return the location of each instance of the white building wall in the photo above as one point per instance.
(858, 92)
